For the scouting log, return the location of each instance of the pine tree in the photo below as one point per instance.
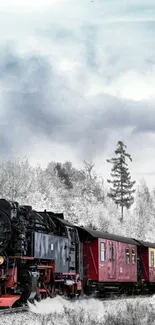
(121, 191)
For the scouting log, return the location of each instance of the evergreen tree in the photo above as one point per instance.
(121, 191)
(63, 175)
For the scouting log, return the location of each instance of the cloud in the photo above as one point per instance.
(75, 76)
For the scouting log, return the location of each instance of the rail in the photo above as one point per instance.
(15, 310)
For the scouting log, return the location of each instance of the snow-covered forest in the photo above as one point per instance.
(80, 194)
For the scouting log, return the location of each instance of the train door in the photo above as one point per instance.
(139, 269)
(140, 264)
(74, 251)
(71, 250)
(112, 261)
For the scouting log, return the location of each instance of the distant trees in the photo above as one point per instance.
(144, 211)
(122, 190)
(93, 184)
(17, 178)
(82, 194)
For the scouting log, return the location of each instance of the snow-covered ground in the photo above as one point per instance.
(87, 311)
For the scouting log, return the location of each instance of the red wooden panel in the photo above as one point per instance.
(111, 270)
(90, 256)
(145, 263)
(117, 270)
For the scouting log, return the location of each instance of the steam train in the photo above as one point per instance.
(42, 255)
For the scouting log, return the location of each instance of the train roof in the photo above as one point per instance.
(90, 233)
(146, 244)
(67, 223)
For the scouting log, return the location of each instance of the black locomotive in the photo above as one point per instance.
(39, 255)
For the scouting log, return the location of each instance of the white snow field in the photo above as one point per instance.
(58, 311)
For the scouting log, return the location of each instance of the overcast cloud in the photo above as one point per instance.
(75, 77)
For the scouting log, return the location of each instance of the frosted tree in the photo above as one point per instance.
(16, 179)
(122, 190)
(94, 185)
(144, 213)
(63, 175)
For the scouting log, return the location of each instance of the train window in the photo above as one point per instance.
(152, 258)
(127, 256)
(111, 251)
(133, 256)
(102, 251)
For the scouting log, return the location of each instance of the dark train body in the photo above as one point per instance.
(42, 255)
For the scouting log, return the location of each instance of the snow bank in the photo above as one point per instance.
(86, 312)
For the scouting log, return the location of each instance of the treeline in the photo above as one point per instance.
(80, 193)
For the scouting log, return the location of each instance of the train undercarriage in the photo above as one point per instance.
(104, 290)
(30, 280)
(26, 279)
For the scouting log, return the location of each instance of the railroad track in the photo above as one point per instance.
(117, 297)
(16, 310)
(125, 298)
(103, 299)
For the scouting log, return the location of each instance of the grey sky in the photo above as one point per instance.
(75, 77)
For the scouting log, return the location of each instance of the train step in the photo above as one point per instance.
(110, 288)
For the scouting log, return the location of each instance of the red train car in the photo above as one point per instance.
(146, 255)
(110, 261)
